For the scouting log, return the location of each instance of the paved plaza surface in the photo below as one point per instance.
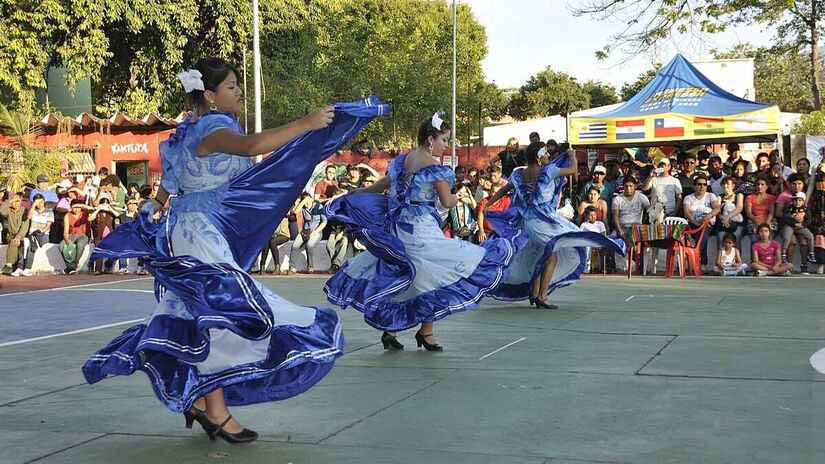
(649, 370)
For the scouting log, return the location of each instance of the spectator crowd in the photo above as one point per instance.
(757, 215)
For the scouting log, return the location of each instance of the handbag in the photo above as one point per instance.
(69, 252)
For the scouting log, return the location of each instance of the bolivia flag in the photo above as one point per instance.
(708, 126)
(668, 127)
(634, 129)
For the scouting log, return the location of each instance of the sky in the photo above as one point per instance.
(525, 36)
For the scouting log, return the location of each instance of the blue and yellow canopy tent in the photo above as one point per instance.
(680, 106)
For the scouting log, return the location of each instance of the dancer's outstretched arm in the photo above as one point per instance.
(498, 195)
(378, 186)
(442, 188)
(573, 169)
(229, 141)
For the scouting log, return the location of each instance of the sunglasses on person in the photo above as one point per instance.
(701, 184)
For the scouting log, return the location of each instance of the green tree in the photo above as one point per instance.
(546, 93)
(600, 94)
(798, 23)
(631, 89)
(810, 124)
(780, 76)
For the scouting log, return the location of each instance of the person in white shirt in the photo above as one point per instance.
(665, 188)
(590, 224)
(702, 206)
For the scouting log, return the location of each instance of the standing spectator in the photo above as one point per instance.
(591, 224)
(763, 164)
(126, 217)
(766, 254)
(795, 222)
(60, 209)
(593, 200)
(512, 157)
(534, 137)
(701, 207)
(41, 220)
(310, 235)
(816, 208)
(43, 189)
(776, 184)
(102, 225)
(462, 220)
(133, 191)
(733, 157)
(496, 176)
(715, 175)
(775, 158)
(155, 188)
(728, 258)
(484, 186)
(803, 167)
(17, 226)
(759, 209)
(731, 221)
(665, 189)
(688, 174)
(353, 179)
(326, 189)
(279, 237)
(600, 182)
(76, 231)
(484, 226)
(625, 170)
(703, 159)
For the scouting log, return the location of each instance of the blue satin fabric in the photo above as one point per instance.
(207, 297)
(388, 294)
(533, 213)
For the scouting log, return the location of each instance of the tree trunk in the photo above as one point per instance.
(815, 55)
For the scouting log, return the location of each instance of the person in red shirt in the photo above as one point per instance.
(76, 231)
(500, 205)
(766, 255)
(326, 189)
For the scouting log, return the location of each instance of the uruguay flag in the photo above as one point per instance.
(668, 127)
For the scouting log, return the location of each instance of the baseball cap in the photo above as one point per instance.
(663, 161)
(600, 169)
(42, 178)
(65, 183)
(800, 195)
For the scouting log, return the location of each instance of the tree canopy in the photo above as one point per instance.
(552, 92)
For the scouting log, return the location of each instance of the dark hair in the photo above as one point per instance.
(213, 72)
(733, 147)
(689, 156)
(461, 168)
(426, 129)
(532, 152)
(703, 154)
(331, 166)
(594, 189)
(589, 210)
(762, 155)
(495, 168)
(564, 146)
(77, 201)
(145, 191)
(104, 200)
(133, 184)
(630, 180)
(700, 175)
(103, 169)
(534, 135)
(552, 142)
(37, 196)
(762, 226)
(795, 177)
(729, 238)
(111, 180)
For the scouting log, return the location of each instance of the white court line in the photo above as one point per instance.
(108, 290)
(46, 337)
(629, 298)
(73, 286)
(496, 351)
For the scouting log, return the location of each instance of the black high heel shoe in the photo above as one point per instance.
(390, 341)
(195, 414)
(420, 339)
(543, 305)
(533, 301)
(244, 436)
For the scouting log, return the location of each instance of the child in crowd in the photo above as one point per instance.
(591, 224)
(767, 256)
(795, 223)
(729, 260)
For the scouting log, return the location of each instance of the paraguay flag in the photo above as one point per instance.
(634, 129)
(593, 131)
(668, 127)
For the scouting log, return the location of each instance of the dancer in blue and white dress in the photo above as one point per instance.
(554, 255)
(412, 274)
(218, 337)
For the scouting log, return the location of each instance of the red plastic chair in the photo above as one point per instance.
(685, 250)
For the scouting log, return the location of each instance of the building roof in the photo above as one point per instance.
(118, 120)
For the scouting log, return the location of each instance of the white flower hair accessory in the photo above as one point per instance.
(191, 80)
(542, 152)
(436, 121)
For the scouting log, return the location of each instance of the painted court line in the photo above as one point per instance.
(629, 298)
(63, 334)
(73, 286)
(503, 347)
(108, 290)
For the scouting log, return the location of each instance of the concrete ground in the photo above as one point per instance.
(649, 370)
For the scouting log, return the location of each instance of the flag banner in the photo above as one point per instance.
(668, 127)
(757, 123)
(708, 126)
(593, 131)
(633, 129)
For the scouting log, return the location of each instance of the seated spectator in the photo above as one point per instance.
(102, 225)
(763, 164)
(460, 177)
(795, 224)
(776, 184)
(665, 188)
(766, 255)
(734, 156)
(311, 234)
(76, 232)
(133, 191)
(279, 237)
(703, 161)
(325, 190)
(759, 208)
(484, 186)
(593, 200)
(126, 217)
(730, 219)
(41, 220)
(803, 167)
(496, 176)
(43, 189)
(591, 224)
(600, 182)
(625, 169)
(628, 209)
(795, 183)
(702, 207)
(17, 227)
(728, 259)
(775, 158)
(462, 220)
(485, 228)
(353, 180)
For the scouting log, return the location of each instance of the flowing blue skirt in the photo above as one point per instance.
(546, 234)
(215, 326)
(411, 272)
